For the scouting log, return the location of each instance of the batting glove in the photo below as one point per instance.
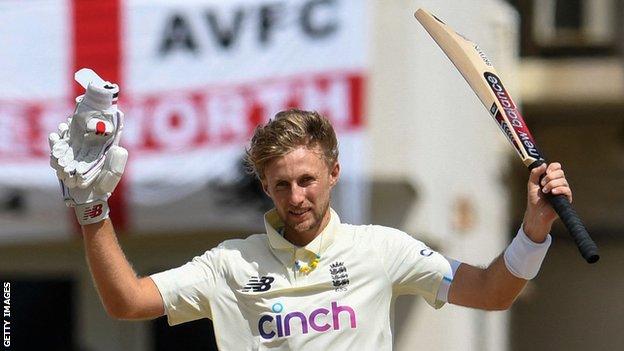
(85, 152)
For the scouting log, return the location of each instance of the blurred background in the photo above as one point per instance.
(418, 151)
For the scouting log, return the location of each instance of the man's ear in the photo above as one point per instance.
(334, 174)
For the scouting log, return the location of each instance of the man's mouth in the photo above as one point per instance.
(298, 213)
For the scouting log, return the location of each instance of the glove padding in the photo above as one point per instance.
(85, 153)
(79, 147)
(90, 203)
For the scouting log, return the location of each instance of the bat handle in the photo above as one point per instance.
(577, 230)
(573, 223)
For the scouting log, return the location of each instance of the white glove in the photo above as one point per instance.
(85, 152)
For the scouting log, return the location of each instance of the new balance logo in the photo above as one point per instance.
(92, 212)
(339, 275)
(258, 284)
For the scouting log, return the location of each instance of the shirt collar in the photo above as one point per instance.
(272, 222)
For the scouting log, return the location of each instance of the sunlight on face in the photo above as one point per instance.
(300, 184)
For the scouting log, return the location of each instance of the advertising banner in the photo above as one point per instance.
(195, 79)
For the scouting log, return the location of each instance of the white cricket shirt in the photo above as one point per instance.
(258, 300)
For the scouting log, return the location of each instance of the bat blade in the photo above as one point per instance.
(480, 74)
(478, 71)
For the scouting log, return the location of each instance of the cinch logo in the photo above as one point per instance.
(320, 320)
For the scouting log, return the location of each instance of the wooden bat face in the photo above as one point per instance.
(476, 68)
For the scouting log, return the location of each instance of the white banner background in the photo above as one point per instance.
(197, 78)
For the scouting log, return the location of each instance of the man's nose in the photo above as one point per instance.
(297, 194)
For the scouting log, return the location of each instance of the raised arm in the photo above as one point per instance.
(123, 294)
(492, 288)
(497, 286)
(89, 163)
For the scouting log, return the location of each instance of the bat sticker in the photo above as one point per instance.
(513, 116)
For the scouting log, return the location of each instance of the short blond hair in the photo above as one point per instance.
(287, 131)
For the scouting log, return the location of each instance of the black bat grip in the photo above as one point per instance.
(577, 230)
(573, 223)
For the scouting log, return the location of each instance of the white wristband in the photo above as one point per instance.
(524, 257)
(91, 212)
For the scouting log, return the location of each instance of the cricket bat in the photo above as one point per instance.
(480, 74)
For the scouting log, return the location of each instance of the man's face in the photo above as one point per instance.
(299, 184)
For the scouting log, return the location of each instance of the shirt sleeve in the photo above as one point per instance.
(188, 289)
(412, 267)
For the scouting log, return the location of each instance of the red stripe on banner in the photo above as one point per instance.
(357, 100)
(97, 45)
(97, 38)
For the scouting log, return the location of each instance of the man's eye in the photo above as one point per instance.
(307, 180)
